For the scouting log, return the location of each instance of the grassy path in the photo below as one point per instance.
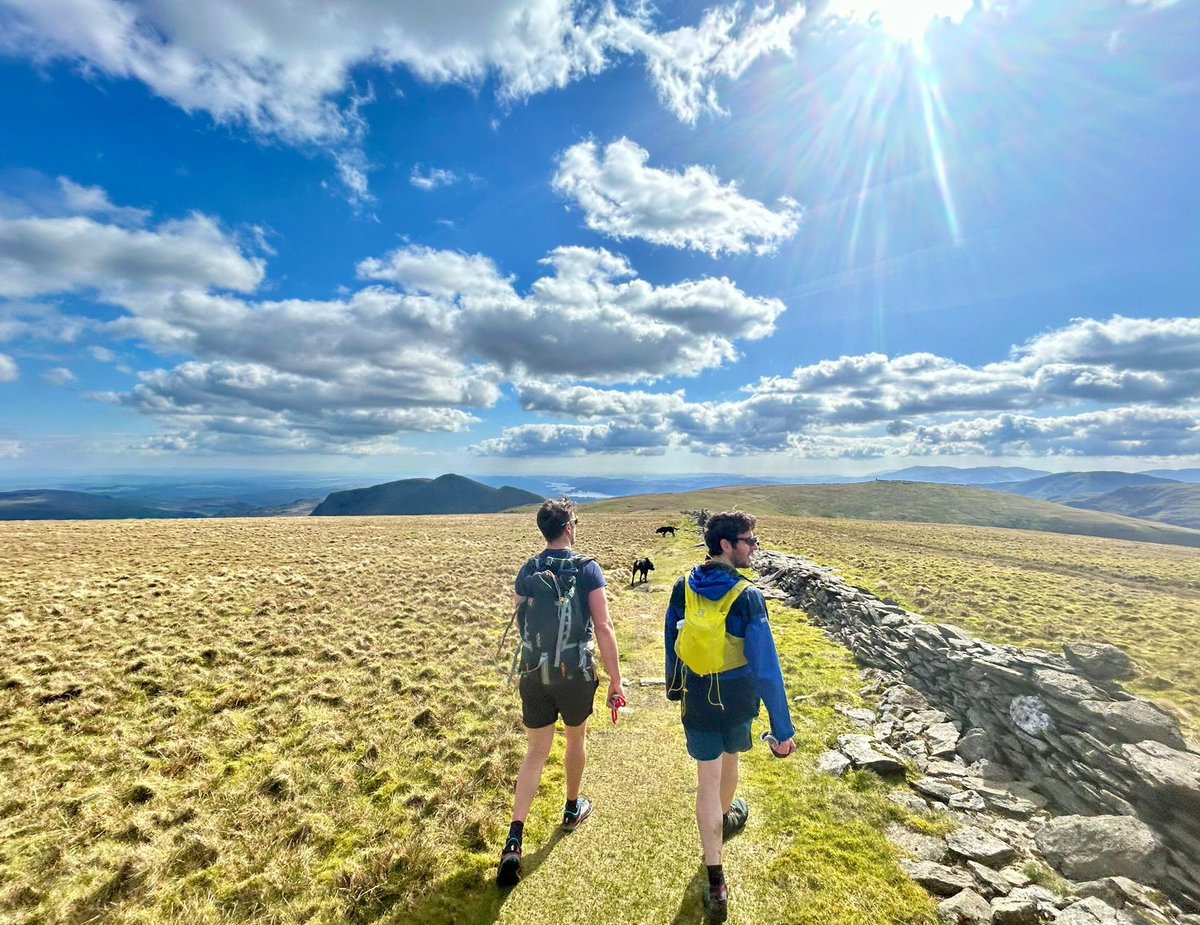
(816, 856)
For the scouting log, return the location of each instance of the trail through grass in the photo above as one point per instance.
(812, 852)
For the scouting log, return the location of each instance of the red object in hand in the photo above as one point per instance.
(615, 702)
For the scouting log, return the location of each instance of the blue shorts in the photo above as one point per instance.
(707, 744)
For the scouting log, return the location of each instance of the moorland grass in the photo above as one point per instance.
(301, 720)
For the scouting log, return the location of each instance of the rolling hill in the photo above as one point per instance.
(1171, 503)
(52, 504)
(447, 494)
(910, 501)
(952, 475)
(1074, 486)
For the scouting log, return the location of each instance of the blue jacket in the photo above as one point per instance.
(741, 689)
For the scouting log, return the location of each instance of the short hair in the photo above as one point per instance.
(553, 517)
(726, 526)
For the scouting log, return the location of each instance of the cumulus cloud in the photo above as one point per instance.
(59, 375)
(1121, 387)
(633, 330)
(40, 256)
(282, 68)
(432, 335)
(623, 198)
(9, 371)
(103, 354)
(38, 321)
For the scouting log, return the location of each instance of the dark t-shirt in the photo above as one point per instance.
(590, 577)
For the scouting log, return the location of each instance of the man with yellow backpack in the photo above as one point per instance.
(721, 662)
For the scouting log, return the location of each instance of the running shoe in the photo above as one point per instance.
(734, 820)
(509, 872)
(573, 820)
(716, 903)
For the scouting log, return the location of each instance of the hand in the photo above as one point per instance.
(615, 690)
(783, 749)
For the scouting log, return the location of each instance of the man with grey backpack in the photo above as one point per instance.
(562, 614)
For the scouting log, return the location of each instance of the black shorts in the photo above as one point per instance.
(541, 704)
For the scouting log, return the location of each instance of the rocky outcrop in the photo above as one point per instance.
(1060, 723)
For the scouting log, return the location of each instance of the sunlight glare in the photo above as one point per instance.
(905, 21)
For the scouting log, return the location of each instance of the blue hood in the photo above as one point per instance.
(712, 580)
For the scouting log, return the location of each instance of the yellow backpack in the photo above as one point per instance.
(702, 643)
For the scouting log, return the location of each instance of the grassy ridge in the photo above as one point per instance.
(909, 501)
(300, 720)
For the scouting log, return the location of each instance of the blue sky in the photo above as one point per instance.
(536, 236)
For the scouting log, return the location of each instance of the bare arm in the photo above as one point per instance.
(606, 639)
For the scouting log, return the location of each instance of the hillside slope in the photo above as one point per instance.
(1070, 486)
(1177, 504)
(910, 501)
(447, 494)
(53, 504)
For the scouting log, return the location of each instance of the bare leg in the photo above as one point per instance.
(708, 808)
(530, 775)
(576, 758)
(729, 779)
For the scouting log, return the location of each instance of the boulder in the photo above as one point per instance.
(1092, 911)
(1099, 660)
(833, 763)
(974, 844)
(967, 800)
(1064, 686)
(864, 753)
(942, 739)
(936, 789)
(974, 745)
(1134, 720)
(1090, 847)
(965, 908)
(938, 878)
(1024, 906)
(921, 847)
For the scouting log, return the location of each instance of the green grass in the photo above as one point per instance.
(301, 720)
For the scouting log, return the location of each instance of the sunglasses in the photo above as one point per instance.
(751, 541)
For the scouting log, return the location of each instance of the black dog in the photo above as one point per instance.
(643, 566)
(663, 531)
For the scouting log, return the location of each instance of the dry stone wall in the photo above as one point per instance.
(1062, 723)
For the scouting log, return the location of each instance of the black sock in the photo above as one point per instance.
(716, 874)
(516, 830)
(573, 805)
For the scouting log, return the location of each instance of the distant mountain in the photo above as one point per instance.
(1074, 486)
(951, 475)
(52, 504)
(447, 494)
(1178, 475)
(1172, 503)
(910, 501)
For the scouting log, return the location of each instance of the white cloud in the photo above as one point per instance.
(10, 449)
(281, 67)
(623, 198)
(633, 330)
(685, 63)
(103, 354)
(38, 321)
(59, 375)
(432, 178)
(1040, 402)
(9, 372)
(39, 256)
(93, 200)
